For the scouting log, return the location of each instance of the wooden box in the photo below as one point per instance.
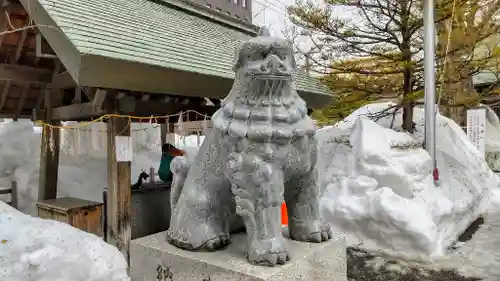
(82, 214)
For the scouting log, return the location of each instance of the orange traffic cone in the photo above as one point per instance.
(284, 215)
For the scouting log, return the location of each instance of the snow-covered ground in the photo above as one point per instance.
(33, 249)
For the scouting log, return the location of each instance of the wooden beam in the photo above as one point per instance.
(118, 192)
(77, 111)
(56, 96)
(38, 48)
(121, 95)
(11, 72)
(63, 81)
(78, 95)
(89, 92)
(99, 98)
(39, 100)
(5, 94)
(20, 44)
(20, 103)
(5, 10)
(127, 105)
(49, 154)
(148, 108)
(208, 102)
(87, 110)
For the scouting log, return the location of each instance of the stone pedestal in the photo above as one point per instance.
(153, 259)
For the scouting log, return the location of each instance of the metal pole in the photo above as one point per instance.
(430, 83)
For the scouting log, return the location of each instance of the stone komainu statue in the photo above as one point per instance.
(261, 150)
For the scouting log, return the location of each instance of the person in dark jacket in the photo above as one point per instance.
(168, 153)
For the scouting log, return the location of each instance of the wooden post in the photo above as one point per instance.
(13, 195)
(105, 214)
(49, 153)
(151, 175)
(163, 129)
(119, 192)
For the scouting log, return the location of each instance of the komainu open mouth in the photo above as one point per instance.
(273, 76)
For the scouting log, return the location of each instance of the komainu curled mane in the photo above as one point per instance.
(261, 151)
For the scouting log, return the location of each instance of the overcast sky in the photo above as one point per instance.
(271, 13)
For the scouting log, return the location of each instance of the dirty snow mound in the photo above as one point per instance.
(379, 183)
(32, 249)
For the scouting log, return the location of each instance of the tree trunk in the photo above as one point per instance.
(408, 104)
(458, 92)
(457, 89)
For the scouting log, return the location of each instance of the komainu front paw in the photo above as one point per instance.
(201, 240)
(314, 231)
(268, 252)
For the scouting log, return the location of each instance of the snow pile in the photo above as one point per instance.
(492, 139)
(32, 249)
(379, 183)
(82, 162)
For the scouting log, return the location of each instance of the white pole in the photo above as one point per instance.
(430, 83)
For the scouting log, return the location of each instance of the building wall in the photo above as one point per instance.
(240, 10)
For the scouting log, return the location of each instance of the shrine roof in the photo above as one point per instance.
(150, 46)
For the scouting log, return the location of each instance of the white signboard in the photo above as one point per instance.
(123, 149)
(185, 128)
(476, 128)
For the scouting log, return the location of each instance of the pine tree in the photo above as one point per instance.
(377, 52)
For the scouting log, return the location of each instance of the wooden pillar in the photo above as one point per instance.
(163, 128)
(14, 201)
(49, 152)
(119, 191)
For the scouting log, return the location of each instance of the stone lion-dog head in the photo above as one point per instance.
(265, 57)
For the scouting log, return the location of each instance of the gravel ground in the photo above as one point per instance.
(362, 266)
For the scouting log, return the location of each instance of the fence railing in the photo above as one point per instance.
(12, 190)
